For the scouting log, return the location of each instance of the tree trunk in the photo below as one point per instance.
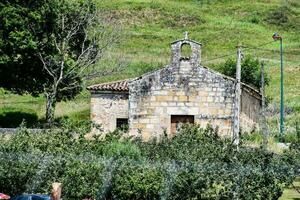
(50, 108)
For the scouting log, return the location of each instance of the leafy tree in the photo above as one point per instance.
(250, 71)
(20, 68)
(50, 46)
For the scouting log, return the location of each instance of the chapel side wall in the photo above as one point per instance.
(250, 111)
(107, 107)
(185, 91)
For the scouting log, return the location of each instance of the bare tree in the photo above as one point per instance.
(80, 38)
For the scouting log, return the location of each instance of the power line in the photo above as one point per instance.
(260, 45)
(271, 50)
(248, 47)
(262, 49)
(215, 58)
(275, 51)
(245, 47)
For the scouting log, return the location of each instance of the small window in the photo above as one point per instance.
(178, 120)
(122, 123)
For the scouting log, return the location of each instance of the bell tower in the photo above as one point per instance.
(178, 53)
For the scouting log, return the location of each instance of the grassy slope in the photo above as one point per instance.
(149, 26)
(292, 193)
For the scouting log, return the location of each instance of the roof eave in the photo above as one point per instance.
(109, 91)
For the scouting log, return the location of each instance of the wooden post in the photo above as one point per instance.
(263, 122)
(56, 191)
(237, 99)
(262, 87)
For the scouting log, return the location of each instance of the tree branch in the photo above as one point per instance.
(45, 65)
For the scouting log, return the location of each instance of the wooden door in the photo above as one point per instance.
(178, 120)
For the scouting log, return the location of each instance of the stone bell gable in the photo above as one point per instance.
(195, 56)
(182, 89)
(181, 92)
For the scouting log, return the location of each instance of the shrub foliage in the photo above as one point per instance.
(250, 71)
(195, 164)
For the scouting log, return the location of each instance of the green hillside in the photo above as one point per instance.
(149, 26)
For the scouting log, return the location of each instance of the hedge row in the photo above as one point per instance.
(196, 164)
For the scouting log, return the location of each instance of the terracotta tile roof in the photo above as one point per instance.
(122, 85)
(111, 86)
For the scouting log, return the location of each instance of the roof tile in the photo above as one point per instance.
(111, 86)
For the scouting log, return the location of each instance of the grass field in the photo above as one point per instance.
(149, 26)
(292, 193)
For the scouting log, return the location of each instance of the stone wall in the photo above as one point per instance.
(107, 107)
(250, 110)
(180, 90)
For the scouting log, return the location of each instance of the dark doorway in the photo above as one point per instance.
(122, 123)
(178, 120)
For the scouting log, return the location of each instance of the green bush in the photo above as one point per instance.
(250, 71)
(35, 173)
(292, 137)
(118, 149)
(279, 17)
(253, 137)
(135, 181)
(15, 172)
(285, 16)
(82, 178)
(292, 156)
(195, 164)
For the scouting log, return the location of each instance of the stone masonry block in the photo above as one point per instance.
(146, 135)
(203, 93)
(192, 98)
(164, 98)
(210, 99)
(183, 98)
(144, 120)
(160, 92)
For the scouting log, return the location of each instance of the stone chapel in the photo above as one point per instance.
(184, 91)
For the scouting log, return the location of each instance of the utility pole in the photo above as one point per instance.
(262, 87)
(263, 122)
(237, 99)
(278, 37)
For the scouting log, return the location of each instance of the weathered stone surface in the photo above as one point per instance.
(182, 88)
(107, 107)
(196, 93)
(250, 109)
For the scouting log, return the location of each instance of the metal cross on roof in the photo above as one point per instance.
(186, 35)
